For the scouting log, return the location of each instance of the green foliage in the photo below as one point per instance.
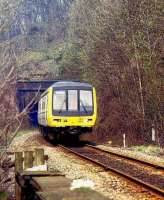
(3, 195)
(150, 149)
(83, 189)
(42, 63)
(122, 41)
(23, 132)
(30, 56)
(73, 62)
(116, 45)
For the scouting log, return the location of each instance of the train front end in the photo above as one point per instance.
(73, 107)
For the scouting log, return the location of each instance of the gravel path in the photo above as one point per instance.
(106, 183)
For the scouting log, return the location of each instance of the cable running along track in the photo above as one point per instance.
(146, 174)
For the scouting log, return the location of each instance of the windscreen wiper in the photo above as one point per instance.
(83, 106)
(61, 108)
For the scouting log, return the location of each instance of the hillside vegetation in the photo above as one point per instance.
(115, 45)
(121, 53)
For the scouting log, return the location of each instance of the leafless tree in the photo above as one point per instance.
(11, 119)
(122, 44)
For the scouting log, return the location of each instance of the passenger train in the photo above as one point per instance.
(67, 107)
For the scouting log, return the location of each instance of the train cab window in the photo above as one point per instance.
(59, 100)
(72, 100)
(86, 101)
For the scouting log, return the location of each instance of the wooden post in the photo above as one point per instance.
(39, 157)
(18, 168)
(153, 133)
(28, 159)
(18, 191)
(18, 162)
(124, 140)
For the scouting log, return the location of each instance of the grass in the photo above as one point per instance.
(3, 195)
(150, 149)
(41, 55)
(23, 132)
(83, 189)
(31, 56)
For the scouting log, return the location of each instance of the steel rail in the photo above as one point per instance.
(148, 186)
(148, 163)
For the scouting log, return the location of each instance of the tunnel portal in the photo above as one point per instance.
(28, 92)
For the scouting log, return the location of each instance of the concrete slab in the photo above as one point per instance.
(78, 194)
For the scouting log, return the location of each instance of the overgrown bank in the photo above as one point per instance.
(117, 45)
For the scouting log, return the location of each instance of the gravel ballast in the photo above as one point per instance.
(106, 183)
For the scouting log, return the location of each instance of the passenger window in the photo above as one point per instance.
(41, 105)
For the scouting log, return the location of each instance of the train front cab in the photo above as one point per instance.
(67, 109)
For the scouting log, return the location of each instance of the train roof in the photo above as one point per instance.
(71, 84)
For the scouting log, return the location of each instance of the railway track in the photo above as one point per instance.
(146, 174)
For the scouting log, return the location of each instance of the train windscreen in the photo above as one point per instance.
(73, 102)
(59, 100)
(86, 102)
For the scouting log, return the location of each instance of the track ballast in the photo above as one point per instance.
(146, 174)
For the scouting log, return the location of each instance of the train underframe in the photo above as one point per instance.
(64, 134)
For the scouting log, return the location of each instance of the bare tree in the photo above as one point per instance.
(121, 41)
(11, 119)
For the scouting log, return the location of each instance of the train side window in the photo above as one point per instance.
(46, 103)
(41, 105)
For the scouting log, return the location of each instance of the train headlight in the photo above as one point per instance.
(87, 120)
(57, 120)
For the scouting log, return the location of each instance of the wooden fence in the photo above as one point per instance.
(29, 159)
(23, 161)
(45, 185)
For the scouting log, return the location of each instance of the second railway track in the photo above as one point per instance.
(148, 175)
